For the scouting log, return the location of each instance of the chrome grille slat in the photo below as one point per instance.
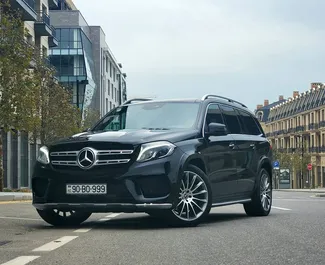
(68, 153)
(111, 162)
(115, 152)
(65, 163)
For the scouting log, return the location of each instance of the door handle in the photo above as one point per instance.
(231, 145)
(252, 145)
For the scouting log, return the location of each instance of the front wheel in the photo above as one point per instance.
(63, 218)
(194, 199)
(262, 198)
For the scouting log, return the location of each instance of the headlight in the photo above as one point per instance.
(155, 150)
(43, 155)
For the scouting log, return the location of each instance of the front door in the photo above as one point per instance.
(220, 157)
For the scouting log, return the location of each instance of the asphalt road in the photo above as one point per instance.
(293, 233)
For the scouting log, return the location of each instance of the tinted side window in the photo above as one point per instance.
(214, 114)
(231, 119)
(250, 124)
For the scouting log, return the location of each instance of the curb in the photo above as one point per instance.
(15, 197)
(320, 195)
(302, 190)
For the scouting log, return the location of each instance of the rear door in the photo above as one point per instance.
(234, 129)
(250, 144)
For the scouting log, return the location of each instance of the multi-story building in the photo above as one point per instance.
(297, 125)
(19, 153)
(85, 63)
(263, 110)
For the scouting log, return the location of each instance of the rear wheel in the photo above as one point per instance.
(193, 202)
(63, 218)
(262, 198)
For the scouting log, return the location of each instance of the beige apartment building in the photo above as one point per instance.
(297, 125)
(41, 34)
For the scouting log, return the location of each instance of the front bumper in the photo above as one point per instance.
(138, 188)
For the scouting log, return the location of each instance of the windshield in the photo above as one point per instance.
(153, 116)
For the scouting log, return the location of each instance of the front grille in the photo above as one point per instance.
(70, 158)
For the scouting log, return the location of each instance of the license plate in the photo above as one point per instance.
(86, 189)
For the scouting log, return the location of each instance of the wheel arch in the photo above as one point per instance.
(266, 163)
(195, 160)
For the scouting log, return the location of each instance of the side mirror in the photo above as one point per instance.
(86, 130)
(216, 129)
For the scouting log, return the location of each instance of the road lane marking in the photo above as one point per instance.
(55, 244)
(19, 218)
(112, 215)
(82, 230)
(22, 260)
(104, 219)
(280, 208)
(14, 202)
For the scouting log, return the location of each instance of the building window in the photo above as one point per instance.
(108, 87)
(110, 69)
(110, 105)
(260, 115)
(106, 105)
(107, 64)
(112, 91)
(114, 74)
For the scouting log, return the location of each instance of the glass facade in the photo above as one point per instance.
(73, 61)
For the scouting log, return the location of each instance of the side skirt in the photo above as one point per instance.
(230, 202)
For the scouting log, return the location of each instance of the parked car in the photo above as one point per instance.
(175, 159)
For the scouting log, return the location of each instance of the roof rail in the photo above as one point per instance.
(229, 99)
(136, 99)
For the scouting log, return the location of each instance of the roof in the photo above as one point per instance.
(266, 109)
(189, 100)
(305, 101)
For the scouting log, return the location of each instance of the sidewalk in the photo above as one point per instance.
(303, 190)
(316, 192)
(15, 196)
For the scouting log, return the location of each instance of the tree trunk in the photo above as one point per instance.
(1, 163)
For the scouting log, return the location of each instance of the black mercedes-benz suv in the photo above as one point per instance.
(171, 158)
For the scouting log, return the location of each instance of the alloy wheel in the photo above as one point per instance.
(193, 197)
(265, 188)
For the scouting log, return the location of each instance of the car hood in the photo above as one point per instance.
(133, 137)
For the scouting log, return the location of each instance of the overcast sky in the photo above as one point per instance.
(249, 50)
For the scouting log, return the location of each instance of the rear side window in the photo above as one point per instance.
(231, 119)
(249, 122)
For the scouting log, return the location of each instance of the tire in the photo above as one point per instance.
(68, 218)
(191, 201)
(262, 193)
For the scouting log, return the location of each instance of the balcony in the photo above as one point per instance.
(42, 25)
(26, 7)
(53, 3)
(314, 149)
(321, 124)
(53, 41)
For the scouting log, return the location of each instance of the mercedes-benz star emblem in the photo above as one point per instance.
(86, 158)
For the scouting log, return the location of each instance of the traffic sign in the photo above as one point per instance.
(276, 164)
(309, 166)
